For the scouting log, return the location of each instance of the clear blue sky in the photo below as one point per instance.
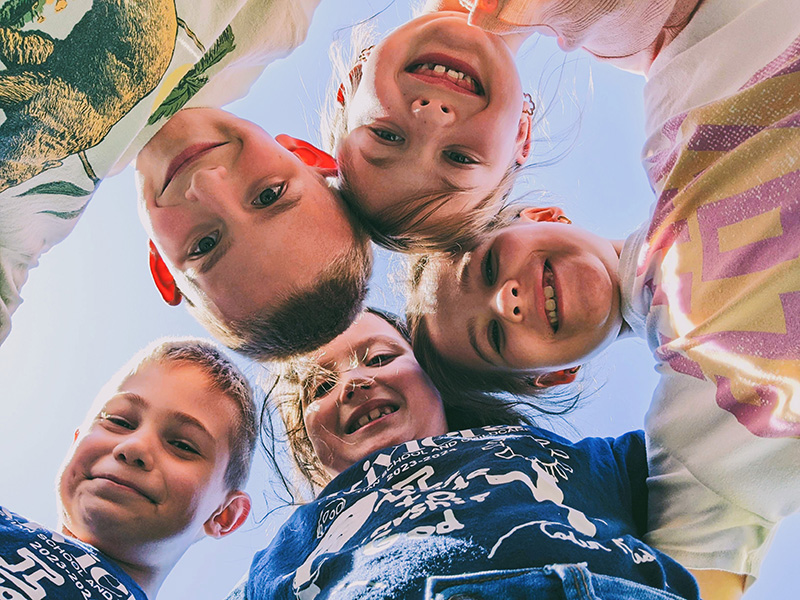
(90, 304)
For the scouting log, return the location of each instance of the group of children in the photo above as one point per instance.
(430, 478)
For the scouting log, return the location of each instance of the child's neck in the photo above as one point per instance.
(146, 577)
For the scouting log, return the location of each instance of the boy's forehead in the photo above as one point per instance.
(167, 385)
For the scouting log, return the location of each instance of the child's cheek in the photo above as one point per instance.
(312, 409)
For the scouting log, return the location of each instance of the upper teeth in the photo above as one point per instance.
(451, 73)
(550, 305)
(375, 413)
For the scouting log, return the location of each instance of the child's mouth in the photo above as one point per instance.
(459, 78)
(373, 415)
(550, 300)
(451, 71)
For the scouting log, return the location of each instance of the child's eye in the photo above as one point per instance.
(184, 446)
(323, 387)
(117, 420)
(459, 158)
(495, 336)
(489, 267)
(379, 360)
(204, 245)
(387, 136)
(269, 196)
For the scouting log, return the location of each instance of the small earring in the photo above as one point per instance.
(364, 54)
(528, 105)
(564, 219)
(536, 382)
(547, 380)
(355, 73)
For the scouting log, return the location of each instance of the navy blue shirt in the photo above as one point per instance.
(495, 498)
(36, 563)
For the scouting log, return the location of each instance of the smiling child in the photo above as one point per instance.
(157, 465)
(248, 230)
(429, 128)
(496, 508)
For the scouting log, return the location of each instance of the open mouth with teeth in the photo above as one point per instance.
(550, 300)
(373, 415)
(449, 71)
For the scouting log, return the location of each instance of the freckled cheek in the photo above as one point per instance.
(169, 231)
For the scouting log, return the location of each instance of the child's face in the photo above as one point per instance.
(377, 396)
(148, 470)
(414, 131)
(536, 297)
(237, 213)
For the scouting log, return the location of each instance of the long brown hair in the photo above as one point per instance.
(295, 384)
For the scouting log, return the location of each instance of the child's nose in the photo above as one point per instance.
(354, 383)
(508, 301)
(208, 184)
(432, 111)
(134, 451)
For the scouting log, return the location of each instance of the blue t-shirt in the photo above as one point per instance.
(495, 498)
(36, 562)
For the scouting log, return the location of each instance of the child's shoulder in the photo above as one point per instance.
(37, 562)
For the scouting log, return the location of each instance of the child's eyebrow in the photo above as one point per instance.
(473, 341)
(462, 277)
(330, 365)
(216, 256)
(181, 417)
(190, 421)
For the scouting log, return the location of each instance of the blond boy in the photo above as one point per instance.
(157, 465)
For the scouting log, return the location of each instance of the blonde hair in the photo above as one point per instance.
(222, 375)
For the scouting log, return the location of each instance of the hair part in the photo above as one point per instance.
(222, 375)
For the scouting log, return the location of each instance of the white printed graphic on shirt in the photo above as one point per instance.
(420, 493)
(50, 566)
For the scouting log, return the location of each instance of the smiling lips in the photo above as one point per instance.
(458, 78)
(550, 301)
(373, 415)
(187, 157)
(450, 71)
(125, 484)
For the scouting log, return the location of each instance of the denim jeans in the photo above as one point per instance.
(556, 582)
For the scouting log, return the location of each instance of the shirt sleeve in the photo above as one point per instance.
(629, 32)
(629, 452)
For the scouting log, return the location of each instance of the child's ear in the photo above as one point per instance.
(310, 155)
(562, 377)
(548, 213)
(523, 141)
(163, 278)
(230, 516)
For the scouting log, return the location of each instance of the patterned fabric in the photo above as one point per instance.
(86, 85)
(713, 281)
(37, 563)
(721, 257)
(491, 499)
